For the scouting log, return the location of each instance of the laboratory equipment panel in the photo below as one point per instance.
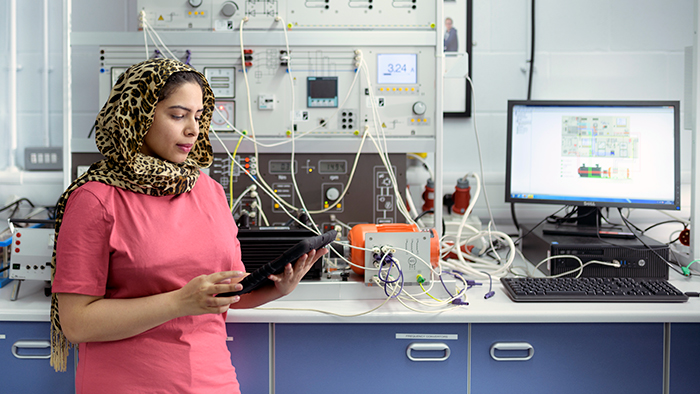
(249, 344)
(685, 348)
(24, 356)
(567, 358)
(358, 358)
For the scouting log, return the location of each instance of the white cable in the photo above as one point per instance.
(298, 135)
(327, 312)
(425, 164)
(291, 84)
(262, 213)
(273, 196)
(413, 207)
(145, 37)
(579, 269)
(478, 149)
(158, 36)
(672, 236)
(672, 216)
(400, 205)
(350, 178)
(264, 184)
(383, 153)
(243, 194)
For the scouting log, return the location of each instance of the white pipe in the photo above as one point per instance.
(13, 85)
(439, 86)
(45, 77)
(695, 157)
(67, 97)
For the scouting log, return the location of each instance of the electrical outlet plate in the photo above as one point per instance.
(32, 251)
(43, 159)
(417, 243)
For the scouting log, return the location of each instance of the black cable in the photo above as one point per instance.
(420, 215)
(566, 218)
(685, 226)
(16, 204)
(532, 50)
(512, 215)
(628, 224)
(92, 129)
(5, 268)
(537, 225)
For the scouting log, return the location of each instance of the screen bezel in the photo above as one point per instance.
(607, 103)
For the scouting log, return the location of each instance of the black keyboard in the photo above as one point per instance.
(591, 290)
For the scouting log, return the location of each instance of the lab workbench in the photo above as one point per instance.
(489, 346)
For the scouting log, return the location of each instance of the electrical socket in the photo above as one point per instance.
(43, 159)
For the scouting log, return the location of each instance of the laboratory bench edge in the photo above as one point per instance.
(492, 345)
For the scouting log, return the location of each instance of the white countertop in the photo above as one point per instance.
(32, 305)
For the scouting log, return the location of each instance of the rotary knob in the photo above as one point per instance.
(229, 8)
(419, 108)
(332, 193)
(195, 3)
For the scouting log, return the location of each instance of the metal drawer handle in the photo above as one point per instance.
(512, 346)
(427, 346)
(31, 345)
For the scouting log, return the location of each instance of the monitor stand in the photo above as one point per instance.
(587, 224)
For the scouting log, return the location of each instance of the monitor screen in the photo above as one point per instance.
(594, 153)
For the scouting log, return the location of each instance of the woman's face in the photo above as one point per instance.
(175, 124)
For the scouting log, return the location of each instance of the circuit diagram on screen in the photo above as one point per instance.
(598, 147)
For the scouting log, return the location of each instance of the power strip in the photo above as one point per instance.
(43, 159)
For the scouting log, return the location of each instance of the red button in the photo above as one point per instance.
(247, 159)
(247, 165)
(17, 242)
(16, 250)
(19, 235)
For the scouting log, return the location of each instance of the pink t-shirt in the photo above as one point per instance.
(120, 244)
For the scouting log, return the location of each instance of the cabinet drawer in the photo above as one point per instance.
(567, 358)
(685, 348)
(249, 345)
(25, 367)
(358, 358)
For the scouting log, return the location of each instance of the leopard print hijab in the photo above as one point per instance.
(120, 128)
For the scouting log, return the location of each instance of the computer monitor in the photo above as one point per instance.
(592, 154)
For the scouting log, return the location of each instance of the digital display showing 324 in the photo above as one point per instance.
(397, 68)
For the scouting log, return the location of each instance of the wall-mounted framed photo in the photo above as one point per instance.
(458, 50)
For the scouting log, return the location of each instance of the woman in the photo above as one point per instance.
(146, 241)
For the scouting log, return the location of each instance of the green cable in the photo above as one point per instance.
(686, 269)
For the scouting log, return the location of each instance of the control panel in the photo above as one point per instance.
(322, 180)
(32, 249)
(325, 75)
(224, 15)
(331, 95)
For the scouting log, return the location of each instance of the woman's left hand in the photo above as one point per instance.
(287, 281)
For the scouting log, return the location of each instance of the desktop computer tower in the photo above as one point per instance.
(636, 259)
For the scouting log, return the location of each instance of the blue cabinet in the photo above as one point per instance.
(685, 349)
(249, 345)
(361, 358)
(24, 367)
(567, 358)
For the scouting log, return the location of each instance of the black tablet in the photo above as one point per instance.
(259, 277)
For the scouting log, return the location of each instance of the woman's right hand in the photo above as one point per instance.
(199, 295)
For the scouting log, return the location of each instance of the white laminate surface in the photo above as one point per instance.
(32, 305)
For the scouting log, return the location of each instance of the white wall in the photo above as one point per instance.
(42, 188)
(585, 49)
